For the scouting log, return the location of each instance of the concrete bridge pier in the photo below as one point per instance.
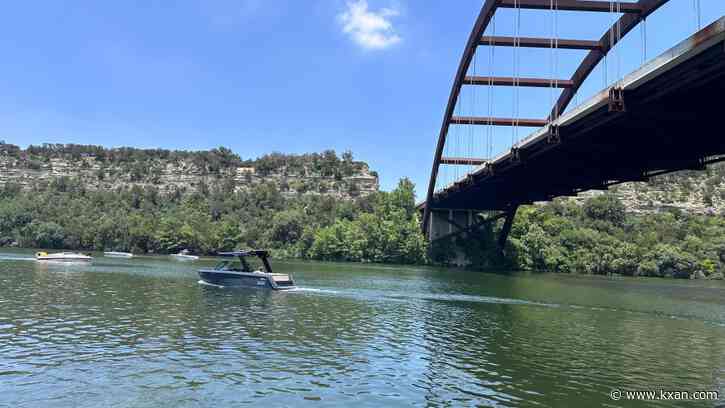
(447, 224)
(444, 223)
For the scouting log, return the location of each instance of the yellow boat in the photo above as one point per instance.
(62, 257)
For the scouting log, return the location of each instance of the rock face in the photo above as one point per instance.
(172, 172)
(693, 192)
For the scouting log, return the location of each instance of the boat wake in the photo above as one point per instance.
(482, 299)
(313, 290)
(15, 258)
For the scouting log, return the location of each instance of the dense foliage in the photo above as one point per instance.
(388, 231)
(601, 238)
(381, 227)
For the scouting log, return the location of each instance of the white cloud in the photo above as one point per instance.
(371, 30)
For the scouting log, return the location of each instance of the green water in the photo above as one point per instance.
(145, 333)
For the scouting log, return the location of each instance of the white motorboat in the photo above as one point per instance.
(113, 254)
(62, 257)
(184, 255)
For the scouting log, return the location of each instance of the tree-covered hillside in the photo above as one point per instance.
(213, 161)
(600, 237)
(381, 227)
(180, 172)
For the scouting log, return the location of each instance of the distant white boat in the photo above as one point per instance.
(62, 257)
(113, 254)
(184, 256)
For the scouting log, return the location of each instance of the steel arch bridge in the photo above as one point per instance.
(661, 118)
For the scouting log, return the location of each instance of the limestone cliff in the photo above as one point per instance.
(98, 168)
(694, 192)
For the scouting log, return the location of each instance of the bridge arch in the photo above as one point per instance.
(632, 14)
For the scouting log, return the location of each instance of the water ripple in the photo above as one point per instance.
(152, 337)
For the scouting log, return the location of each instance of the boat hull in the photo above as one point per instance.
(117, 255)
(67, 257)
(243, 280)
(64, 260)
(181, 257)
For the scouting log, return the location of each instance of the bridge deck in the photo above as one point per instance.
(672, 120)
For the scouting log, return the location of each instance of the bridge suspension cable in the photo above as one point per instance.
(472, 145)
(553, 57)
(456, 132)
(698, 14)
(643, 30)
(489, 128)
(516, 73)
(615, 35)
(619, 39)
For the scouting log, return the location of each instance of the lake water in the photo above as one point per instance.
(145, 333)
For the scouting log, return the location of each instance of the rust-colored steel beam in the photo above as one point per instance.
(477, 120)
(463, 161)
(509, 81)
(626, 23)
(571, 5)
(532, 42)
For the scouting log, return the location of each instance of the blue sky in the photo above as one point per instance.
(272, 75)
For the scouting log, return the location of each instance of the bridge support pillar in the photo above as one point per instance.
(448, 225)
(506, 230)
(447, 222)
(451, 228)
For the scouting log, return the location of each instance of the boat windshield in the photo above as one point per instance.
(255, 264)
(246, 264)
(230, 266)
(243, 264)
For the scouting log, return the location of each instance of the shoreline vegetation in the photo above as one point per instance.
(381, 227)
(600, 238)
(597, 237)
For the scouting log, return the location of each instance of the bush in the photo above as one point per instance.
(606, 207)
(43, 235)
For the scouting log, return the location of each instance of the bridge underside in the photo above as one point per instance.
(667, 116)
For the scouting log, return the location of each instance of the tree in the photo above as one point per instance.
(328, 243)
(605, 207)
(388, 230)
(403, 196)
(287, 227)
(43, 235)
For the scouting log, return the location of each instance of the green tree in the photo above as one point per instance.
(605, 207)
(43, 235)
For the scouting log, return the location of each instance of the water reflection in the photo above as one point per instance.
(143, 332)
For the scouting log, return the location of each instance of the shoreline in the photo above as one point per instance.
(717, 276)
